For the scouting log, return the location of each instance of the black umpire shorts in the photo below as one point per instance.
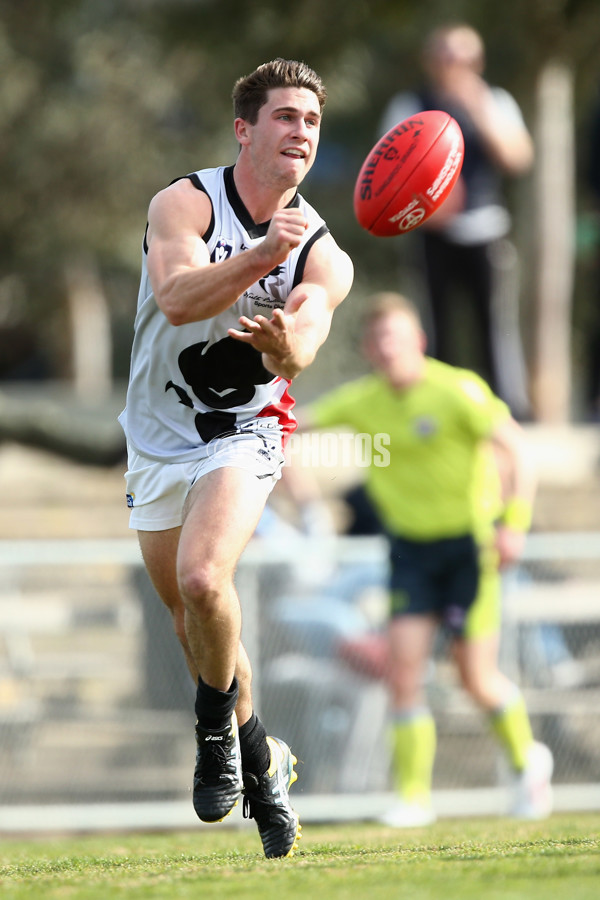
(439, 577)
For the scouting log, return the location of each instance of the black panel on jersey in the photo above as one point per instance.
(299, 273)
(255, 230)
(224, 374)
(198, 184)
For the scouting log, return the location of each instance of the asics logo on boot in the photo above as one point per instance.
(213, 737)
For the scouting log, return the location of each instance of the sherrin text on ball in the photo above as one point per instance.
(409, 173)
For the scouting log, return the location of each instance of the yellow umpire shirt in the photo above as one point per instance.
(438, 480)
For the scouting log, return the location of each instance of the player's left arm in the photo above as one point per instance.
(290, 339)
(519, 482)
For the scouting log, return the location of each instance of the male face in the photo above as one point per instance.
(283, 142)
(395, 346)
(455, 50)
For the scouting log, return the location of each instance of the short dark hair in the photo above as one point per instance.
(250, 91)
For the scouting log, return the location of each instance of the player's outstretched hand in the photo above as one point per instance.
(274, 336)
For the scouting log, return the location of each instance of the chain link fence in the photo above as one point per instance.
(96, 705)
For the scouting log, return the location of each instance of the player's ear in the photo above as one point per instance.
(242, 130)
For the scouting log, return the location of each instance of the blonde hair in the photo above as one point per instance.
(384, 303)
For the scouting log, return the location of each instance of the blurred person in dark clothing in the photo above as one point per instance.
(465, 245)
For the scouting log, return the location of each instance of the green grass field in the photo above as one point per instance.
(466, 859)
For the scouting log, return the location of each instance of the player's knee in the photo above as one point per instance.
(201, 589)
(406, 686)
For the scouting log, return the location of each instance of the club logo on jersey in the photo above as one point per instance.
(222, 251)
(425, 426)
(273, 283)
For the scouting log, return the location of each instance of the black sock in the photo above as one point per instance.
(214, 708)
(256, 755)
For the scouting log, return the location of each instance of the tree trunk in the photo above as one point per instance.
(91, 339)
(555, 226)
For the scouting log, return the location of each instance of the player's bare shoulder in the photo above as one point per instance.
(179, 206)
(327, 264)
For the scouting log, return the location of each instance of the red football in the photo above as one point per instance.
(409, 173)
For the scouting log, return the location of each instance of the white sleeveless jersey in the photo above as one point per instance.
(192, 383)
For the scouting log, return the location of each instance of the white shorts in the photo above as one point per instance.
(156, 491)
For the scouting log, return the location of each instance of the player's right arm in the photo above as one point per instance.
(189, 288)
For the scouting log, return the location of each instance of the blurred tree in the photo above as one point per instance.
(103, 103)
(74, 113)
